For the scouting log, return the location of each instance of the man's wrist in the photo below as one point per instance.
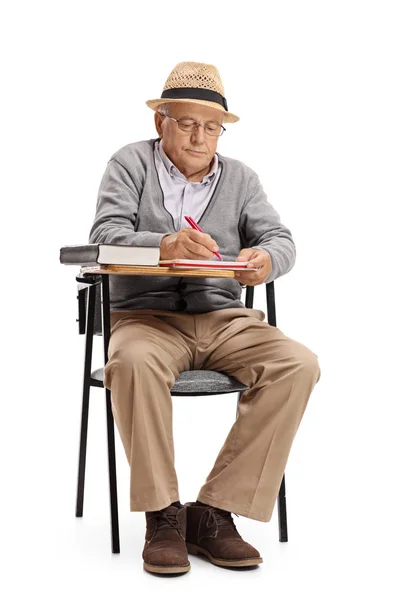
(162, 245)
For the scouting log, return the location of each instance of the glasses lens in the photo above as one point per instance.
(213, 129)
(187, 125)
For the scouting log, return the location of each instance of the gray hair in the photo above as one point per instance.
(164, 109)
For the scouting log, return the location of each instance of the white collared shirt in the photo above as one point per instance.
(182, 197)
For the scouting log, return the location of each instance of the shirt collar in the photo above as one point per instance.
(172, 170)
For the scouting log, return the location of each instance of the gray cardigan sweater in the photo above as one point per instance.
(130, 210)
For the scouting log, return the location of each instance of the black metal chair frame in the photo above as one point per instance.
(93, 290)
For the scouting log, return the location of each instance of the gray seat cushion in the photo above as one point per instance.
(197, 383)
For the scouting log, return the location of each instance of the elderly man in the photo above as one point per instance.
(161, 326)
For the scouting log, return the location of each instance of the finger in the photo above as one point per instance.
(257, 261)
(199, 251)
(251, 276)
(253, 264)
(242, 258)
(245, 278)
(204, 239)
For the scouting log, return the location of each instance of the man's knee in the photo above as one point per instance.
(126, 363)
(123, 361)
(308, 362)
(138, 356)
(295, 357)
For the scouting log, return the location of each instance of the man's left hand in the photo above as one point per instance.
(259, 259)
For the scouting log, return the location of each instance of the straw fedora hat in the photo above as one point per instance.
(195, 82)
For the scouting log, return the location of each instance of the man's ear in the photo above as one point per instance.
(158, 119)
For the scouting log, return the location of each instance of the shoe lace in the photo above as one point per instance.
(166, 520)
(222, 519)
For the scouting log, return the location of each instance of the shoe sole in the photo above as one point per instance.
(167, 569)
(243, 562)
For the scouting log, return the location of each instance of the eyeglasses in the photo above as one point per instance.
(190, 125)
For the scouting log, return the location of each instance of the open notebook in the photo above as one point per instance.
(184, 263)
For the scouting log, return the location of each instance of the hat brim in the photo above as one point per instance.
(228, 116)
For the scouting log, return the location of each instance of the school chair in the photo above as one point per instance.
(94, 319)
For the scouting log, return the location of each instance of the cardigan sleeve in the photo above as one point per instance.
(261, 228)
(116, 211)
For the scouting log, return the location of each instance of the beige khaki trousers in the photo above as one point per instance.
(149, 348)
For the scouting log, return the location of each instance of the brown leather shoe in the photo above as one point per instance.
(212, 532)
(164, 549)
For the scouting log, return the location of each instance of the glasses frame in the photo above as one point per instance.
(194, 123)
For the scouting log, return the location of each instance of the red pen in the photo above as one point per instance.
(194, 225)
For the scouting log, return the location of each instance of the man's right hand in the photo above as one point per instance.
(188, 243)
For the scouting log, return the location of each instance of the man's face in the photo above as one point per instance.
(190, 152)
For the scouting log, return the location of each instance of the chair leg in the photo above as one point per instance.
(282, 516)
(82, 452)
(85, 403)
(112, 471)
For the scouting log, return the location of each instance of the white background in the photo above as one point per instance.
(316, 85)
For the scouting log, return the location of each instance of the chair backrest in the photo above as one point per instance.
(83, 299)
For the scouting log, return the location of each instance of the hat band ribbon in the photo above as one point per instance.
(195, 94)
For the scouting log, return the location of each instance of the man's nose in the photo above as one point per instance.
(198, 135)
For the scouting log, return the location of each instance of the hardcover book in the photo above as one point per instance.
(109, 254)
